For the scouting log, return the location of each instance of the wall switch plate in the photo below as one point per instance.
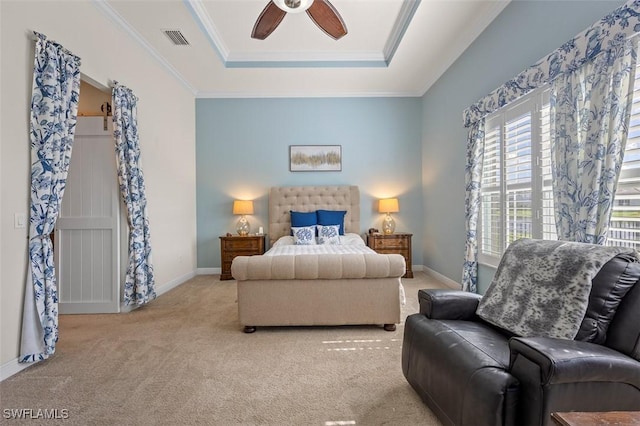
(19, 220)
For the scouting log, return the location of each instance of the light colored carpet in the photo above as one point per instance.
(184, 360)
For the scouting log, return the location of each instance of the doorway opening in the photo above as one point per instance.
(88, 250)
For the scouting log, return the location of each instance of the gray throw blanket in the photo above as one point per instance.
(541, 288)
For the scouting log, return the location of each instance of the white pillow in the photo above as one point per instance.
(350, 238)
(304, 235)
(328, 234)
(286, 240)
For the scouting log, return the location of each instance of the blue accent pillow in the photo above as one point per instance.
(304, 235)
(332, 217)
(299, 219)
(328, 234)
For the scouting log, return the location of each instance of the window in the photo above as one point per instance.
(624, 227)
(516, 195)
(516, 200)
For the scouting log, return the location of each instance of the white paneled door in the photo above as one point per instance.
(87, 231)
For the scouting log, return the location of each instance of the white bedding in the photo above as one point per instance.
(349, 244)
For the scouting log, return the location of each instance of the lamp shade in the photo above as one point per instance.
(388, 205)
(293, 6)
(242, 207)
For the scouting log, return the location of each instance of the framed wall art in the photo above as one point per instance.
(315, 158)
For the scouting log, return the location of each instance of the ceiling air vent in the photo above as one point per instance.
(176, 37)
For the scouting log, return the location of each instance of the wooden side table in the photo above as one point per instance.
(398, 243)
(597, 419)
(235, 245)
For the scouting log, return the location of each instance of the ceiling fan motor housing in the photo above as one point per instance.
(293, 6)
(321, 12)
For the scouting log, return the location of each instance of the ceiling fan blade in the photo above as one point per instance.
(327, 18)
(268, 21)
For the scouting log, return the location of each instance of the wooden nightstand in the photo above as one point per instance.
(236, 245)
(575, 418)
(398, 243)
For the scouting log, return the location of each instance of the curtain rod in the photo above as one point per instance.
(39, 36)
(115, 83)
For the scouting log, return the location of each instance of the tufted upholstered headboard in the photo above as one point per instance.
(283, 199)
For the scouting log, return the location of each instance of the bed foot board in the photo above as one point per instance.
(390, 327)
(249, 329)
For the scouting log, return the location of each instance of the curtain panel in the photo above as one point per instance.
(139, 287)
(54, 107)
(473, 176)
(621, 24)
(589, 119)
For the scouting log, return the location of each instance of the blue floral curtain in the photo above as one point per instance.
(621, 24)
(54, 107)
(139, 287)
(590, 110)
(473, 176)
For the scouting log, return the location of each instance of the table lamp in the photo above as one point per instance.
(243, 207)
(388, 205)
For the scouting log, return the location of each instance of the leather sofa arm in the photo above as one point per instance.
(448, 304)
(571, 361)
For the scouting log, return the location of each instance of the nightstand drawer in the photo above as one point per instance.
(403, 252)
(241, 244)
(390, 243)
(235, 245)
(226, 267)
(399, 243)
(230, 255)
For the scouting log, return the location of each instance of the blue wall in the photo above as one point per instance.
(522, 34)
(406, 147)
(242, 148)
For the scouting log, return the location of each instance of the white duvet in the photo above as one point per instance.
(349, 243)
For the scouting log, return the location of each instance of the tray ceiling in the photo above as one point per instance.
(393, 47)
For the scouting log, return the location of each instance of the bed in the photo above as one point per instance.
(328, 285)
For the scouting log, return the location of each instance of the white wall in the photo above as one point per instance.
(166, 118)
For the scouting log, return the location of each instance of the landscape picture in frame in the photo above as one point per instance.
(315, 158)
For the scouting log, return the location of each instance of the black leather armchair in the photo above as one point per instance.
(470, 372)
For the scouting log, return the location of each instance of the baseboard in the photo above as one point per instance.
(174, 283)
(208, 271)
(445, 280)
(162, 289)
(12, 367)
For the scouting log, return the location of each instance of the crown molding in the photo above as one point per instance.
(405, 16)
(302, 59)
(103, 6)
(314, 94)
(308, 63)
(203, 20)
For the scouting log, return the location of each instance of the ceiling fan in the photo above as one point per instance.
(320, 11)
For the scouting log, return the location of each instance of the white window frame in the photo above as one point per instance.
(531, 103)
(628, 183)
